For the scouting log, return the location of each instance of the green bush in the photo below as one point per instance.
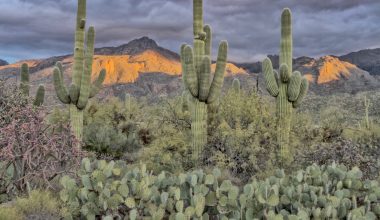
(110, 127)
(112, 189)
(39, 205)
(170, 149)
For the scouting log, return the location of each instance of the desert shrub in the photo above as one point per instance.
(241, 136)
(345, 152)
(10, 213)
(10, 97)
(108, 190)
(170, 149)
(112, 128)
(38, 205)
(32, 153)
(242, 142)
(332, 122)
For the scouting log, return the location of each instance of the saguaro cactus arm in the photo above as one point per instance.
(217, 82)
(60, 88)
(204, 80)
(97, 84)
(285, 73)
(208, 40)
(294, 86)
(270, 78)
(40, 96)
(304, 87)
(189, 73)
(85, 86)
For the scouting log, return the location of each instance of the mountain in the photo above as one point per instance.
(330, 74)
(326, 74)
(139, 67)
(368, 60)
(3, 62)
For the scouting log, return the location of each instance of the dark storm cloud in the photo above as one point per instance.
(42, 28)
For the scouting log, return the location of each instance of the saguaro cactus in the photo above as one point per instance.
(236, 85)
(367, 104)
(24, 86)
(196, 75)
(288, 88)
(81, 88)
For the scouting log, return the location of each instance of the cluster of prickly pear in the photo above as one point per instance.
(288, 88)
(112, 189)
(81, 88)
(24, 86)
(196, 66)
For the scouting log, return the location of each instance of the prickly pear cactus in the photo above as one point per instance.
(24, 86)
(196, 66)
(81, 88)
(107, 190)
(288, 87)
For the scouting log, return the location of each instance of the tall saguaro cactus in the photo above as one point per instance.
(81, 88)
(367, 104)
(288, 88)
(24, 86)
(196, 75)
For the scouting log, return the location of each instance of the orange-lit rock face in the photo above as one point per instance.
(231, 69)
(126, 69)
(331, 69)
(31, 63)
(309, 77)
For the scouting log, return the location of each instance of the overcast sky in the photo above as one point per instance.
(43, 28)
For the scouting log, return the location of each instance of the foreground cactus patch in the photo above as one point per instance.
(110, 189)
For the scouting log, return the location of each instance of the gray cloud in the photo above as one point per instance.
(42, 28)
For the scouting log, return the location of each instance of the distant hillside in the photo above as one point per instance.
(326, 74)
(125, 64)
(3, 62)
(368, 60)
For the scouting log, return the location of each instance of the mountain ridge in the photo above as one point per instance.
(367, 59)
(154, 69)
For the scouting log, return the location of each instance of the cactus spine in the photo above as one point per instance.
(81, 88)
(288, 88)
(24, 86)
(196, 75)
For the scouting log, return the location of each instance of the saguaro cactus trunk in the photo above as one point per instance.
(367, 104)
(288, 88)
(196, 75)
(81, 88)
